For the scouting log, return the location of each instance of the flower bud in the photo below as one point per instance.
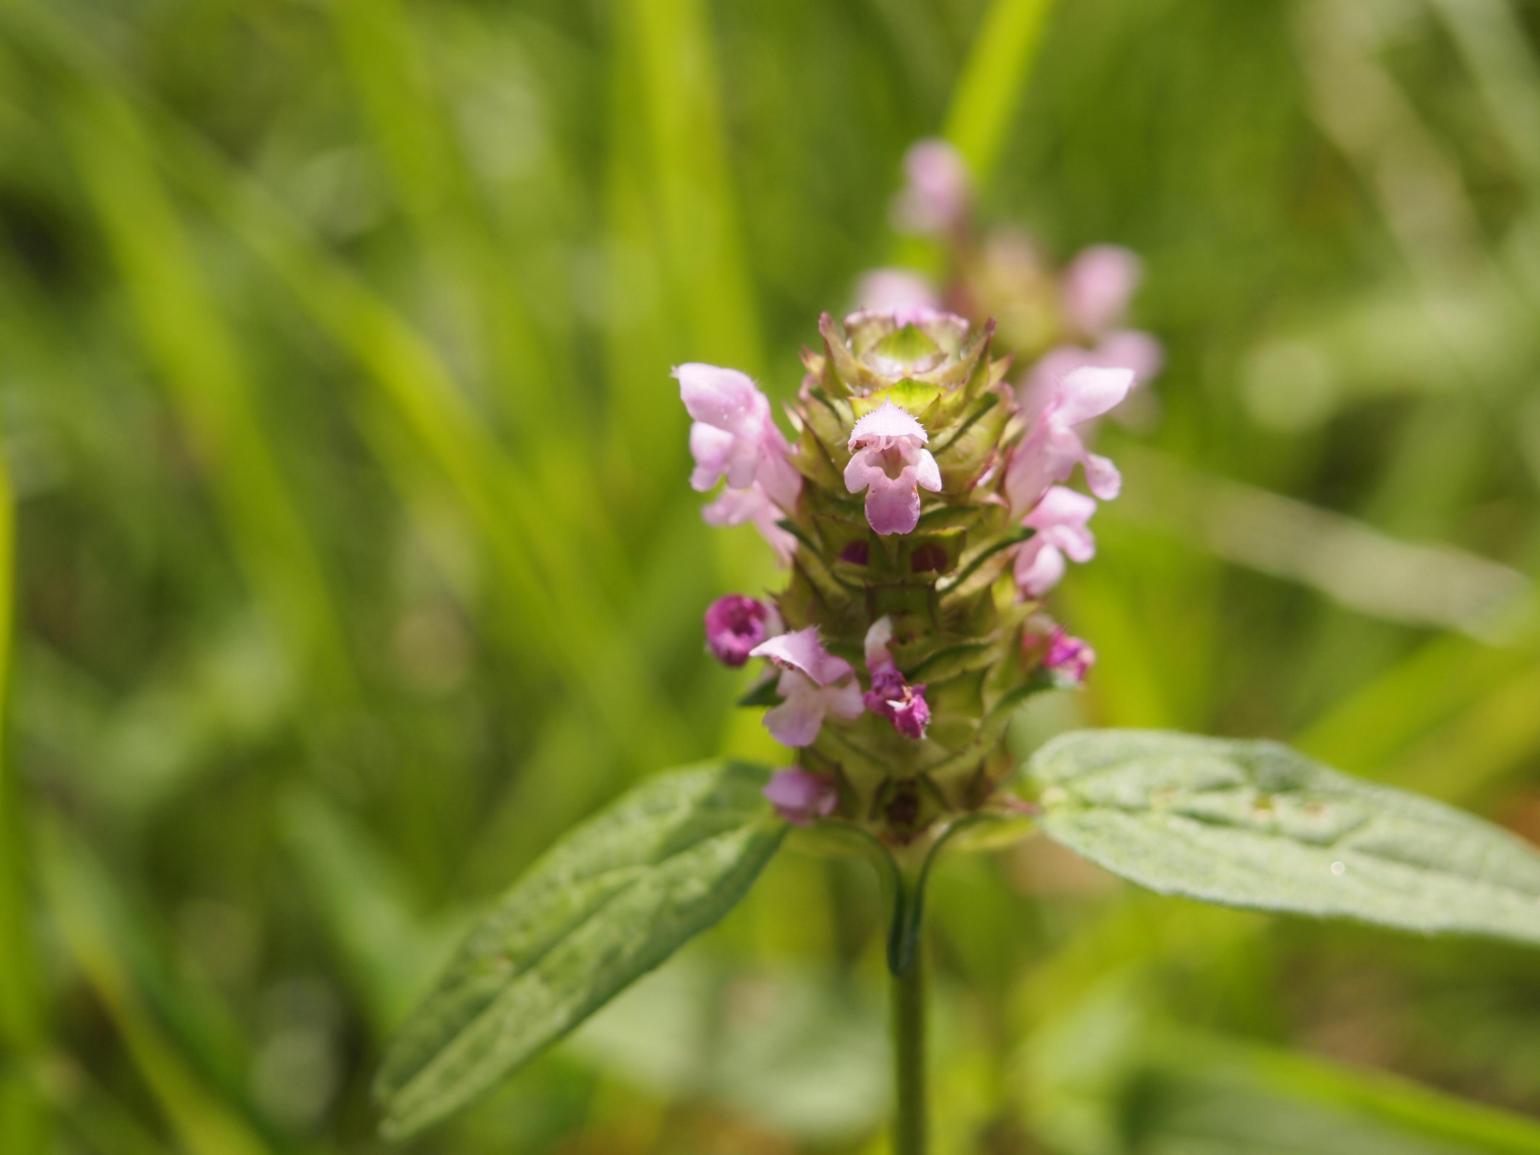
(1069, 657)
(891, 695)
(800, 797)
(1097, 287)
(734, 626)
(936, 196)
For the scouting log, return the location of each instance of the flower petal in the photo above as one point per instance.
(1102, 477)
(736, 506)
(935, 199)
(717, 396)
(1038, 570)
(878, 638)
(1061, 506)
(897, 291)
(803, 651)
(799, 796)
(843, 700)
(887, 421)
(796, 721)
(864, 470)
(927, 474)
(712, 449)
(1131, 349)
(1091, 391)
(892, 506)
(1097, 286)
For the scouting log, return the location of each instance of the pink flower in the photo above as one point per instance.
(753, 505)
(1052, 448)
(800, 796)
(909, 297)
(813, 684)
(1133, 350)
(1122, 349)
(734, 434)
(1060, 521)
(890, 462)
(936, 195)
(1068, 656)
(1097, 286)
(892, 696)
(735, 625)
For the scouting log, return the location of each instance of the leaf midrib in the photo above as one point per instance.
(402, 1092)
(1505, 894)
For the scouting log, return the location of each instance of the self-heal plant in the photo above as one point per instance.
(923, 508)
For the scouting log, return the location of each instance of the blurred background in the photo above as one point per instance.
(354, 557)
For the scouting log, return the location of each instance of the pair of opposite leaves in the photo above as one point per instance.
(1249, 824)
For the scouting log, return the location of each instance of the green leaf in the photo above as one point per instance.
(606, 905)
(1256, 824)
(1202, 1095)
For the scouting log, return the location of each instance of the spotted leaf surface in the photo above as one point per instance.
(607, 904)
(1255, 824)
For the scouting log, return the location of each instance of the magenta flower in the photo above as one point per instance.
(1051, 449)
(1060, 521)
(1069, 656)
(735, 625)
(800, 796)
(813, 685)
(1097, 286)
(892, 696)
(890, 462)
(734, 435)
(937, 190)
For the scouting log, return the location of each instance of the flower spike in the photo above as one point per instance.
(917, 497)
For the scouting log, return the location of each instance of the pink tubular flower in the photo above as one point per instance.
(1097, 286)
(813, 684)
(909, 297)
(890, 462)
(734, 434)
(1060, 521)
(1069, 657)
(735, 625)
(1130, 349)
(800, 796)
(1122, 349)
(892, 696)
(752, 505)
(1051, 449)
(936, 193)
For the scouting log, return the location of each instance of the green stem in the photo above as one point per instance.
(911, 1108)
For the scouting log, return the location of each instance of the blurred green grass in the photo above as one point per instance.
(355, 556)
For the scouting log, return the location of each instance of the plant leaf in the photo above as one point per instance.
(607, 904)
(1256, 824)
